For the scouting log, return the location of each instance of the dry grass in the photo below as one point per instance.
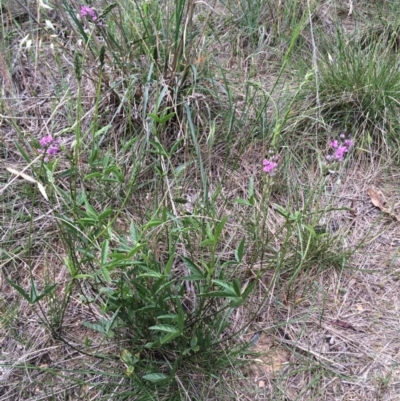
(329, 334)
(342, 336)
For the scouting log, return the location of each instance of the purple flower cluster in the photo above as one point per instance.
(90, 12)
(340, 148)
(49, 146)
(270, 165)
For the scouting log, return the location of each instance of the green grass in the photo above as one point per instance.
(139, 260)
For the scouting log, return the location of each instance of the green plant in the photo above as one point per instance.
(358, 86)
(169, 173)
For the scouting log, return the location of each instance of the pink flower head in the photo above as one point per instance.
(46, 140)
(49, 146)
(341, 148)
(269, 166)
(88, 11)
(348, 143)
(334, 144)
(53, 150)
(340, 152)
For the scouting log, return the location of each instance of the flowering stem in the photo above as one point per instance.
(74, 169)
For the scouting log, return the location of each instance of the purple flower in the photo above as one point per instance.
(53, 150)
(334, 144)
(341, 148)
(90, 12)
(49, 146)
(340, 152)
(348, 143)
(46, 140)
(269, 166)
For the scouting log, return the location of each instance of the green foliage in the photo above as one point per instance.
(32, 297)
(154, 115)
(358, 89)
(164, 312)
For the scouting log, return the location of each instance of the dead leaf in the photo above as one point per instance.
(343, 324)
(29, 179)
(376, 198)
(21, 174)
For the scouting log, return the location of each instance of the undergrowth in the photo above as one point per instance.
(170, 170)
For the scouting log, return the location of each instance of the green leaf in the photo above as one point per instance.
(169, 337)
(153, 344)
(159, 149)
(135, 250)
(167, 117)
(228, 263)
(108, 9)
(165, 215)
(163, 288)
(181, 316)
(193, 342)
(34, 294)
(134, 234)
(240, 251)
(95, 326)
(171, 316)
(164, 327)
(20, 290)
(104, 251)
(46, 291)
(228, 287)
(111, 321)
(78, 276)
(219, 294)
(23, 153)
(102, 130)
(192, 278)
(155, 377)
(91, 212)
(180, 168)
(183, 201)
(281, 210)
(242, 202)
(154, 117)
(207, 242)
(153, 223)
(209, 231)
(251, 188)
(236, 302)
(85, 221)
(92, 175)
(194, 269)
(236, 287)
(220, 226)
(170, 262)
(106, 273)
(107, 212)
(175, 146)
(151, 274)
(247, 291)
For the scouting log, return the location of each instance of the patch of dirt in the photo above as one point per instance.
(272, 358)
